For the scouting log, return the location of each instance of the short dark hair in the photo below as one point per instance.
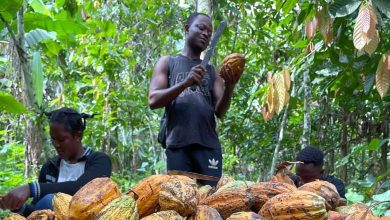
(312, 155)
(70, 118)
(193, 16)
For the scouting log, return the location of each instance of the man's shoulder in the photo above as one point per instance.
(332, 179)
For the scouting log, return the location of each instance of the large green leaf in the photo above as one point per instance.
(35, 36)
(383, 6)
(384, 197)
(354, 197)
(341, 8)
(37, 77)
(10, 104)
(37, 5)
(61, 25)
(289, 5)
(8, 9)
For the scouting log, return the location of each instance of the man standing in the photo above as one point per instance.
(192, 95)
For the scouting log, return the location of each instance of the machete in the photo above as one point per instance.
(213, 43)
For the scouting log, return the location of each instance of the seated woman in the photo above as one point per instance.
(72, 168)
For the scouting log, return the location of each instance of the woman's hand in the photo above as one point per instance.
(15, 198)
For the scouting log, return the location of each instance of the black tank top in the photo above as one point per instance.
(191, 115)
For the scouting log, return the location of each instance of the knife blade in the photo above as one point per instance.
(193, 175)
(209, 53)
(213, 43)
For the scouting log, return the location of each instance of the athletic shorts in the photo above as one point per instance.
(197, 159)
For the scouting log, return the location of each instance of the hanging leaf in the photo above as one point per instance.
(373, 14)
(382, 77)
(310, 48)
(329, 36)
(372, 32)
(362, 23)
(267, 115)
(269, 77)
(341, 8)
(271, 99)
(325, 24)
(311, 27)
(287, 79)
(383, 6)
(280, 89)
(35, 36)
(10, 104)
(365, 34)
(372, 44)
(37, 77)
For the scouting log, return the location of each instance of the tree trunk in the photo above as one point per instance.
(33, 131)
(332, 150)
(305, 139)
(385, 135)
(204, 6)
(344, 145)
(280, 138)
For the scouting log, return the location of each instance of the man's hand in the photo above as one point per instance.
(231, 78)
(15, 198)
(195, 76)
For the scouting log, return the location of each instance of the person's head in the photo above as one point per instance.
(311, 169)
(66, 131)
(198, 31)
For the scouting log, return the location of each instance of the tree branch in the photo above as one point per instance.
(235, 34)
(8, 28)
(16, 44)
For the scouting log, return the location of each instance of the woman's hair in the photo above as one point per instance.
(70, 118)
(193, 16)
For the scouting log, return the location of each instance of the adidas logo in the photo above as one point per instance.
(213, 164)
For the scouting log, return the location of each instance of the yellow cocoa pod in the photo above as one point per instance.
(61, 203)
(14, 216)
(236, 62)
(45, 214)
(179, 195)
(122, 208)
(324, 189)
(92, 197)
(295, 205)
(164, 215)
